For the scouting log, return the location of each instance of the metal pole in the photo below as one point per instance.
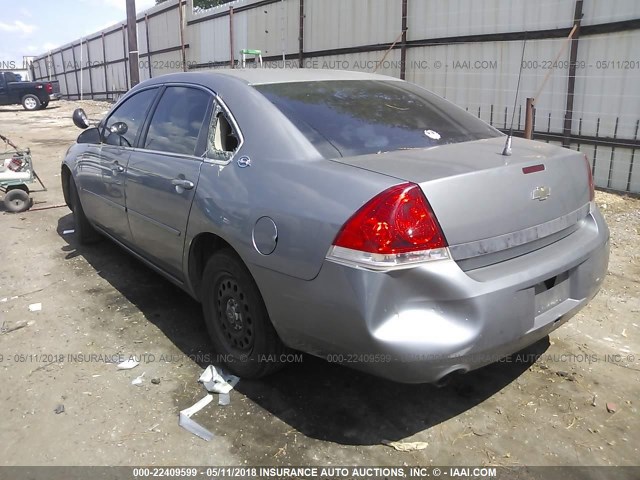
(571, 84)
(231, 36)
(90, 65)
(81, 70)
(104, 65)
(146, 31)
(301, 36)
(184, 52)
(403, 48)
(284, 57)
(125, 58)
(132, 30)
(75, 69)
(528, 119)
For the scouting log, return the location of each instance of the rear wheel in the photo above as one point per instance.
(17, 200)
(31, 102)
(84, 232)
(237, 318)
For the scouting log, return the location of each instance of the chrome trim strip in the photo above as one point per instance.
(509, 240)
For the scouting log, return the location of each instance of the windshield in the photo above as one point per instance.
(359, 117)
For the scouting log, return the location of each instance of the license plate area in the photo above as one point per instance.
(551, 292)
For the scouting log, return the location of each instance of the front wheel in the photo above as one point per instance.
(31, 102)
(84, 232)
(17, 200)
(237, 319)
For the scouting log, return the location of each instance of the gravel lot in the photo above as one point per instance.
(98, 300)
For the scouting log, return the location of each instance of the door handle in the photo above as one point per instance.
(181, 182)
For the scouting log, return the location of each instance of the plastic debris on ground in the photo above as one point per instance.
(215, 381)
(59, 409)
(191, 425)
(406, 446)
(138, 380)
(35, 307)
(128, 364)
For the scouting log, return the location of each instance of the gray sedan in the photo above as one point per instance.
(352, 216)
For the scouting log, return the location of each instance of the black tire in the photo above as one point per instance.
(17, 200)
(31, 102)
(84, 232)
(237, 318)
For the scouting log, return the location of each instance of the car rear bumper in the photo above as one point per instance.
(420, 324)
(55, 96)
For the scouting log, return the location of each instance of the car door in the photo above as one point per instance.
(101, 170)
(162, 175)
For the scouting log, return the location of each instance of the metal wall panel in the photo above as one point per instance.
(209, 41)
(436, 19)
(338, 24)
(113, 45)
(599, 11)
(273, 28)
(164, 31)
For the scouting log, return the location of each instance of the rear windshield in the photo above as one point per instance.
(359, 117)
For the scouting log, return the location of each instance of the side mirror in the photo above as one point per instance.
(120, 128)
(91, 136)
(80, 118)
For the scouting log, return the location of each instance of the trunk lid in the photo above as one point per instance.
(484, 201)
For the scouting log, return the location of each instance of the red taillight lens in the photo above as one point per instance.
(592, 189)
(49, 88)
(398, 220)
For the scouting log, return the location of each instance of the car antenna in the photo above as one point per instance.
(507, 146)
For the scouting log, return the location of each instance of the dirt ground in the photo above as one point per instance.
(578, 404)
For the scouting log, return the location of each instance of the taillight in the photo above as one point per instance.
(592, 189)
(49, 88)
(396, 228)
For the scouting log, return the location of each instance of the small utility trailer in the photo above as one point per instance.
(16, 173)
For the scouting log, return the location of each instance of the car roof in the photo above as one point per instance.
(262, 76)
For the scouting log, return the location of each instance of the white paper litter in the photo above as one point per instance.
(138, 380)
(191, 425)
(67, 232)
(406, 446)
(35, 307)
(128, 364)
(217, 382)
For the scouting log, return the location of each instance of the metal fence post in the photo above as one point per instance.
(571, 84)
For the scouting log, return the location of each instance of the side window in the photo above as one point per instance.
(222, 140)
(177, 121)
(132, 113)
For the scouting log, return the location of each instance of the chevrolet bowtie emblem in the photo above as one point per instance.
(541, 193)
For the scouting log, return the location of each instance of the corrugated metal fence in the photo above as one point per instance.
(468, 51)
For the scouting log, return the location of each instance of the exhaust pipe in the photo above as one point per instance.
(446, 379)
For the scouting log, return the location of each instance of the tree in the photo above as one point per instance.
(202, 4)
